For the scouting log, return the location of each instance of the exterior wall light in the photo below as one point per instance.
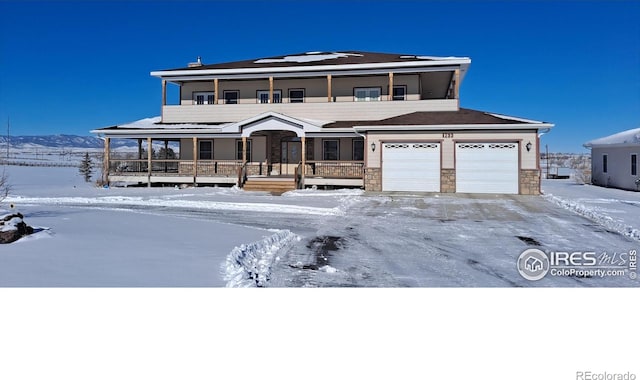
(373, 146)
(528, 146)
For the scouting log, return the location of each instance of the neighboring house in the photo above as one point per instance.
(614, 160)
(384, 122)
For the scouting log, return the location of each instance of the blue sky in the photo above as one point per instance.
(69, 67)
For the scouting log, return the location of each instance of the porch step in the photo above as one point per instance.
(277, 186)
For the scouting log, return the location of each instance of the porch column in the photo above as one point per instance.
(149, 149)
(215, 91)
(390, 95)
(244, 150)
(304, 159)
(106, 163)
(329, 94)
(164, 98)
(270, 89)
(195, 159)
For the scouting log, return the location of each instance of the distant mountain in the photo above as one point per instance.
(62, 141)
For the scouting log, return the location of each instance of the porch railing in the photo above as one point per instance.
(205, 168)
(334, 169)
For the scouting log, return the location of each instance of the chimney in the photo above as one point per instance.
(196, 64)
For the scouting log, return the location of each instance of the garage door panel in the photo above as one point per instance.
(487, 168)
(411, 167)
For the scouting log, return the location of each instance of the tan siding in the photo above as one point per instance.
(224, 149)
(186, 149)
(318, 111)
(186, 94)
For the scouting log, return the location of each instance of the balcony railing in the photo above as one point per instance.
(206, 168)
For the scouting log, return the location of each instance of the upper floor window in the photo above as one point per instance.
(202, 97)
(231, 97)
(604, 163)
(263, 96)
(366, 94)
(205, 150)
(296, 95)
(634, 164)
(399, 93)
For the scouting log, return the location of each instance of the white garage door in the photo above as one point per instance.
(487, 168)
(411, 167)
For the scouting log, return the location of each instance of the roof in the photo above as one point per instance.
(460, 117)
(630, 137)
(319, 59)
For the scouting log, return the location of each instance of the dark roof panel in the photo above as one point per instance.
(462, 116)
(314, 59)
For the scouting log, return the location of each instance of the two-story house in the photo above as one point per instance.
(384, 122)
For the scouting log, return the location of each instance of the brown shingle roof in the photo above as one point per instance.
(462, 116)
(345, 58)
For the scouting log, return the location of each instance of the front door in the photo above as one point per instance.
(291, 155)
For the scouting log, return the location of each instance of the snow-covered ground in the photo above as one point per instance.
(223, 236)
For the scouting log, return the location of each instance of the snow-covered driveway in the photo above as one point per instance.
(170, 237)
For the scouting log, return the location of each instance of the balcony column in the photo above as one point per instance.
(106, 164)
(195, 159)
(456, 86)
(215, 91)
(270, 90)
(304, 159)
(149, 151)
(390, 94)
(244, 150)
(164, 98)
(329, 94)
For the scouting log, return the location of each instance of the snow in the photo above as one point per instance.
(217, 237)
(629, 137)
(615, 209)
(308, 57)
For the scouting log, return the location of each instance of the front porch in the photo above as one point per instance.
(232, 160)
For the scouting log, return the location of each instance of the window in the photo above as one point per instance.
(296, 96)
(358, 150)
(399, 93)
(201, 97)
(239, 150)
(231, 97)
(205, 150)
(330, 150)
(263, 96)
(634, 164)
(604, 163)
(366, 94)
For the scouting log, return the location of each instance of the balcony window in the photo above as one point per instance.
(231, 97)
(263, 96)
(399, 92)
(366, 94)
(296, 96)
(239, 150)
(330, 150)
(358, 150)
(200, 98)
(205, 150)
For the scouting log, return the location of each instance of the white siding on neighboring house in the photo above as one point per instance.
(619, 167)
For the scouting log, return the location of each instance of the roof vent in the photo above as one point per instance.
(196, 64)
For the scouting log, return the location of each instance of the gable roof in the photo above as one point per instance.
(463, 116)
(629, 137)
